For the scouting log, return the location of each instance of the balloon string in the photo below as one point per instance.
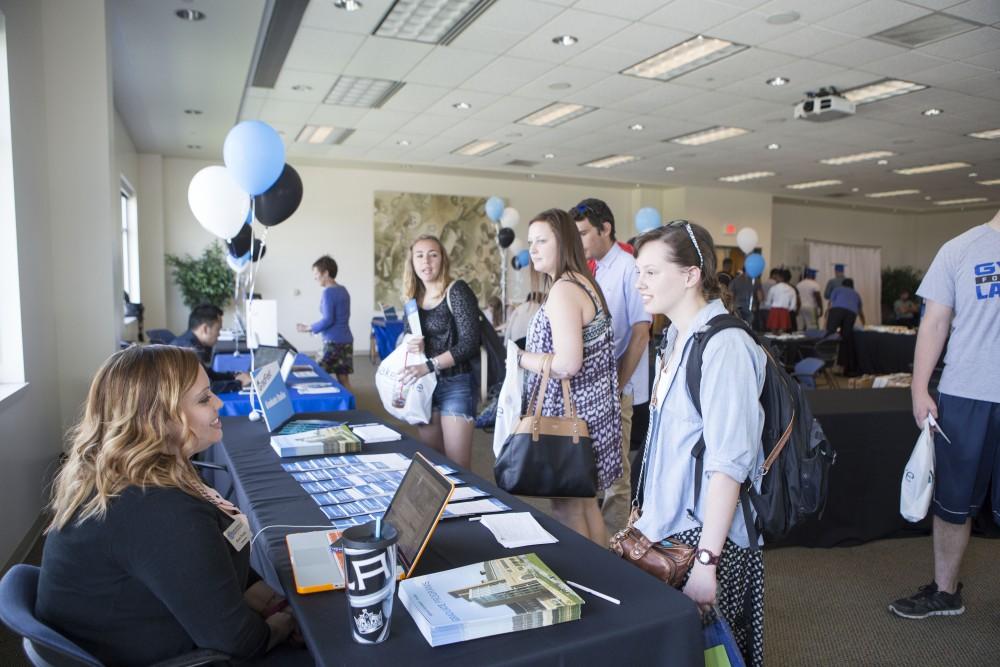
(247, 312)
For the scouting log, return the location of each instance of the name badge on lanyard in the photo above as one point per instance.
(238, 534)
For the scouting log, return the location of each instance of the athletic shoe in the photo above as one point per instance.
(929, 601)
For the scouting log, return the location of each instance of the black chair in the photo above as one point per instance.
(47, 648)
(827, 349)
(161, 336)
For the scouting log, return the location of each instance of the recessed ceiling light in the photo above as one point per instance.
(549, 156)
(892, 193)
(773, 147)
(968, 200)
(636, 127)
(610, 161)
(430, 21)
(301, 88)
(356, 91)
(479, 147)
(462, 106)
(708, 136)
(683, 58)
(931, 168)
(193, 112)
(973, 175)
(855, 189)
(403, 142)
(932, 112)
(784, 18)
(194, 147)
(565, 40)
(813, 184)
(928, 198)
(322, 134)
(555, 114)
(189, 14)
(986, 134)
(531, 176)
(560, 85)
(669, 168)
(777, 81)
(881, 90)
(859, 157)
(347, 5)
(992, 181)
(736, 178)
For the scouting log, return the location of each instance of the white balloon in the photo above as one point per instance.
(510, 218)
(747, 240)
(218, 203)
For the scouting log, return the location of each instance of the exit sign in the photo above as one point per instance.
(730, 229)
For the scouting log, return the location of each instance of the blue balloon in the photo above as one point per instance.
(522, 259)
(254, 155)
(494, 208)
(754, 265)
(647, 219)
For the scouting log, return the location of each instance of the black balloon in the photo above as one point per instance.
(239, 245)
(281, 200)
(259, 250)
(505, 236)
(516, 265)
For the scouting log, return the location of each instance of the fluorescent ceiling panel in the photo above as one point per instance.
(555, 114)
(813, 184)
(322, 134)
(892, 193)
(969, 200)
(881, 90)
(430, 21)
(993, 181)
(610, 161)
(683, 58)
(924, 30)
(708, 136)
(857, 157)
(353, 91)
(479, 147)
(931, 168)
(986, 134)
(749, 176)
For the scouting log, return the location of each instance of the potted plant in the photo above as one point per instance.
(205, 279)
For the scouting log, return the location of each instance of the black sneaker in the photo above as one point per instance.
(929, 601)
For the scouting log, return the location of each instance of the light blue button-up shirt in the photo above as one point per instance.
(732, 421)
(617, 277)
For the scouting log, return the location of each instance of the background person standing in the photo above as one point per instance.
(335, 322)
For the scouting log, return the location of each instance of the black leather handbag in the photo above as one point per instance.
(550, 457)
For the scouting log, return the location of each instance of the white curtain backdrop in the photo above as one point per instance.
(861, 263)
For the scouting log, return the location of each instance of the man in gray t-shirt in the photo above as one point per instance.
(961, 292)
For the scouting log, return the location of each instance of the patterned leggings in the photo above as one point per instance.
(740, 595)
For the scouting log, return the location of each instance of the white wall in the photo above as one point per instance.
(932, 230)
(126, 159)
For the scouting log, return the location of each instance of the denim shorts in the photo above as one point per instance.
(453, 396)
(965, 466)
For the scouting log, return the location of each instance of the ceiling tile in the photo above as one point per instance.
(872, 17)
(486, 40)
(509, 108)
(811, 12)
(319, 85)
(448, 66)
(966, 45)
(990, 60)
(752, 28)
(384, 120)
(427, 123)
(506, 74)
(611, 89)
(365, 138)
(808, 41)
(520, 16)
(694, 16)
(982, 11)
(603, 59)
(858, 52)
(904, 64)
(948, 73)
(588, 27)
(654, 100)
(329, 114)
(477, 99)
(415, 97)
(322, 50)
(283, 111)
(576, 77)
(633, 9)
(645, 40)
(327, 17)
(471, 129)
(738, 68)
(385, 58)
(251, 108)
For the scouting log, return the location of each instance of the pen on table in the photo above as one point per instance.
(475, 518)
(593, 592)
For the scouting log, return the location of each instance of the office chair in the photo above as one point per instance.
(806, 370)
(828, 349)
(161, 336)
(47, 648)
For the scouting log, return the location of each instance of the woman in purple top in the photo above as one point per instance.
(334, 325)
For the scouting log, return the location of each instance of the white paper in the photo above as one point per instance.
(305, 374)
(316, 388)
(375, 433)
(467, 493)
(262, 323)
(517, 529)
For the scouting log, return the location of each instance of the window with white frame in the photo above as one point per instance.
(130, 242)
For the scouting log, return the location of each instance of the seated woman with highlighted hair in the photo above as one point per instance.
(142, 561)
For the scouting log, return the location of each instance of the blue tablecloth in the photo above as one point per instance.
(386, 334)
(236, 404)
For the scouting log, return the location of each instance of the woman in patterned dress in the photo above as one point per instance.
(574, 327)
(677, 278)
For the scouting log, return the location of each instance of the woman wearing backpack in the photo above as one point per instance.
(449, 320)
(677, 278)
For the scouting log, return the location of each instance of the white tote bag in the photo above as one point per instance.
(410, 403)
(509, 400)
(917, 488)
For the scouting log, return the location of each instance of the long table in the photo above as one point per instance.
(235, 404)
(655, 624)
(881, 353)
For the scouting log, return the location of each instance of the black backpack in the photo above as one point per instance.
(797, 455)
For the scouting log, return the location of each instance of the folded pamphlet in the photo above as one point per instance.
(517, 529)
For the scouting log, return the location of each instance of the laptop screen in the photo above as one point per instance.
(416, 509)
(266, 354)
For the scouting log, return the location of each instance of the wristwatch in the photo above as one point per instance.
(430, 366)
(706, 557)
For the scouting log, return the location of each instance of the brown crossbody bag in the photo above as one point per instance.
(669, 564)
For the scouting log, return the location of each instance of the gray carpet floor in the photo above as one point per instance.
(823, 606)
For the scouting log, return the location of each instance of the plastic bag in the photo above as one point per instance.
(509, 401)
(917, 488)
(721, 649)
(410, 403)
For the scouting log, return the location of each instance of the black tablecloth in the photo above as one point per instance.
(883, 353)
(655, 624)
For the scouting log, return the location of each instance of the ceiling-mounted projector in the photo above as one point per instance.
(824, 105)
